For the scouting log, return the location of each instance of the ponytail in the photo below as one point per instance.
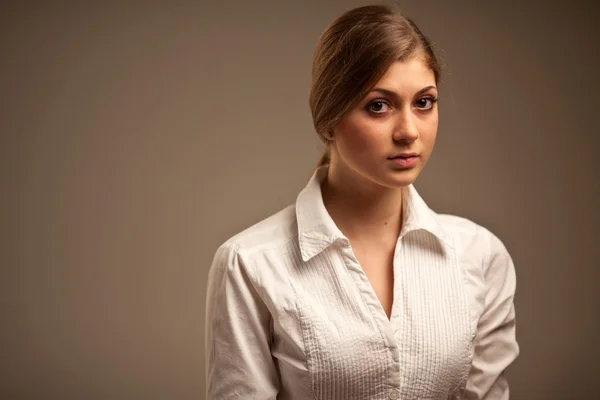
(323, 160)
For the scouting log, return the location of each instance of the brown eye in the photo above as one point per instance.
(426, 103)
(378, 107)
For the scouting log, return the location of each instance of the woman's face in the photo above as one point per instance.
(399, 116)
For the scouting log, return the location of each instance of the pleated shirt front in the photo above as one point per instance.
(291, 314)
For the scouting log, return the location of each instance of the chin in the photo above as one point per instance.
(400, 178)
(392, 178)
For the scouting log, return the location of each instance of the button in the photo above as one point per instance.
(393, 395)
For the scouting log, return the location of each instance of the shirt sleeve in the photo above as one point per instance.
(239, 364)
(495, 346)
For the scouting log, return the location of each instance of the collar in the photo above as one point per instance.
(317, 230)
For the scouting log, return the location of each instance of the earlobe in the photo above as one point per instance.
(328, 135)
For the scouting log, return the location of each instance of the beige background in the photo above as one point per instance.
(135, 138)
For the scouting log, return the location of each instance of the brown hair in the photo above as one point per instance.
(352, 55)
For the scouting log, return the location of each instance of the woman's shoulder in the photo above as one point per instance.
(273, 230)
(465, 227)
(472, 238)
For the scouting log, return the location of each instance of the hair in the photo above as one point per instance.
(352, 55)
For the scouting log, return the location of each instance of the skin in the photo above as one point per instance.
(363, 189)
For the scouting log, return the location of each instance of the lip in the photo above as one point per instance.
(404, 155)
(405, 161)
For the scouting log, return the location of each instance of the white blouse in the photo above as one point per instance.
(291, 315)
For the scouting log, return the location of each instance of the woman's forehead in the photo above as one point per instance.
(409, 75)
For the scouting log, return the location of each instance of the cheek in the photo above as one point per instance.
(359, 134)
(428, 132)
(427, 144)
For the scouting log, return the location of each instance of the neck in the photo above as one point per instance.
(362, 209)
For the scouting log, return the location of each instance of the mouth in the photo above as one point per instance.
(404, 160)
(403, 155)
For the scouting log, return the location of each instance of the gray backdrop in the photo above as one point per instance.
(137, 137)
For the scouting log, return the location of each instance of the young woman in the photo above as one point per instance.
(359, 290)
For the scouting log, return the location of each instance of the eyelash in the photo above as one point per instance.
(430, 98)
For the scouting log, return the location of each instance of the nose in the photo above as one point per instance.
(405, 129)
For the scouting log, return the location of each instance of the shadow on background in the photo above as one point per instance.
(136, 138)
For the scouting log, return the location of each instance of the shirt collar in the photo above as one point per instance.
(317, 230)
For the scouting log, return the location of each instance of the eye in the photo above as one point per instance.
(426, 103)
(378, 106)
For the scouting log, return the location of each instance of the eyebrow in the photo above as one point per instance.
(394, 94)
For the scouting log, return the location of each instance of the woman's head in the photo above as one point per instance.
(367, 48)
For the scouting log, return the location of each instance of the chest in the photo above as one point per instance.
(377, 263)
(420, 347)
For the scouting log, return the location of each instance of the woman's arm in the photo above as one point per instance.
(239, 364)
(495, 344)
